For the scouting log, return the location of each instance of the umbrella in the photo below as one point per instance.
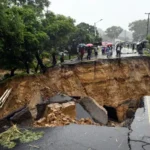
(109, 44)
(89, 45)
(104, 43)
(81, 45)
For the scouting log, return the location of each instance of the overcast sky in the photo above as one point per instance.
(114, 12)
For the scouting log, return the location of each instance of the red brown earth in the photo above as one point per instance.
(107, 82)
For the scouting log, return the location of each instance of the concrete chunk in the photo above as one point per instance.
(52, 108)
(98, 113)
(69, 109)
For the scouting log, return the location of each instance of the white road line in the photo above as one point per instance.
(148, 107)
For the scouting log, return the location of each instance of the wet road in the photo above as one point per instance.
(79, 137)
(140, 128)
(125, 53)
(85, 137)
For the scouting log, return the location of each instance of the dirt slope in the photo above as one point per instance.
(109, 83)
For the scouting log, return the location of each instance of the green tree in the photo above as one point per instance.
(113, 32)
(139, 29)
(11, 40)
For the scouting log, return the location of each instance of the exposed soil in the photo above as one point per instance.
(119, 86)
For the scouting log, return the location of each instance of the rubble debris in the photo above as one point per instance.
(98, 113)
(130, 113)
(59, 98)
(127, 109)
(60, 115)
(69, 109)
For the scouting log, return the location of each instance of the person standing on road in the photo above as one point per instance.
(54, 61)
(133, 48)
(108, 51)
(81, 50)
(96, 52)
(118, 49)
(88, 53)
(78, 53)
(62, 58)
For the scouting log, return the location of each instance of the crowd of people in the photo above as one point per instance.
(81, 50)
(88, 52)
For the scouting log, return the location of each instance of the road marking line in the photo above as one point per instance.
(148, 107)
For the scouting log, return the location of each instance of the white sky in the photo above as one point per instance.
(114, 12)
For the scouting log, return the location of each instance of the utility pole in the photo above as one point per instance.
(95, 29)
(125, 35)
(95, 26)
(147, 24)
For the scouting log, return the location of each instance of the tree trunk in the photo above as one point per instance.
(12, 72)
(27, 67)
(36, 68)
(40, 62)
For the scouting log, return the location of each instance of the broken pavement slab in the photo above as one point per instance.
(22, 117)
(81, 112)
(139, 135)
(60, 98)
(97, 112)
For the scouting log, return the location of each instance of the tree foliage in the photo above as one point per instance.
(113, 32)
(28, 30)
(139, 29)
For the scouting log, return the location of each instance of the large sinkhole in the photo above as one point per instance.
(112, 113)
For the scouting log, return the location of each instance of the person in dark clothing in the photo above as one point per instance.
(118, 50)
(54, 61)
(103, 50)
(62, 58)
(88, 53)
(81, 50)
(133, 48)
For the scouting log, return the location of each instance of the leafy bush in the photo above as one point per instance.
(10, 137)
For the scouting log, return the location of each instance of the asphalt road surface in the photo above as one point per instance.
(125, 53)
(86, 137)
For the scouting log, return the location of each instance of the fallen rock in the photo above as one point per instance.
(52, 108)
(41, 121)
(35, 99)
(121, 112)
(69, 109)
(97, 112)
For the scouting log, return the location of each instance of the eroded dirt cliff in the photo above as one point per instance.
(108, 82)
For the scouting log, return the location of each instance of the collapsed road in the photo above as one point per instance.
(117, 95)
(86, 137)
(113, 86)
